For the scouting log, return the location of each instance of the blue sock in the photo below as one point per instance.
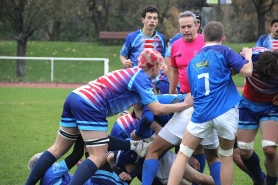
(150, 169)
(215, 172)
(271, 180)
(44, 162)
(202, 160)
(253, 165)
(84, 172)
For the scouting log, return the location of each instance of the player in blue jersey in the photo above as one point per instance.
(145, 38)
(123, 128)
(215, 97)
(270, 40)
(87, 107)
(59, 174)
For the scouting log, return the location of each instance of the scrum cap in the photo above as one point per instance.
(149, 58)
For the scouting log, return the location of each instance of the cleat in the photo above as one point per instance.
(136, 145)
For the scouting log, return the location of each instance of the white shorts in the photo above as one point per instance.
(173, 131)
(164, 166)
(225, 126)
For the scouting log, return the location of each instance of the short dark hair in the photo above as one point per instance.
(267, 66)
(213, 31)
(273, 21)
(151, 9)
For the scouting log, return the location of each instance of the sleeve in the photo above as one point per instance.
(235, 60)
(126, 46)
(173, 60)
(142, 85)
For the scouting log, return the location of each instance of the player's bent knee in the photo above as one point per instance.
(226, 152)
(96, 142)
(68, 135)
(245, 146)
(185, 150)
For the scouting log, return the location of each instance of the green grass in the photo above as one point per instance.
(69, 71)
(29, 123)
(64, 71)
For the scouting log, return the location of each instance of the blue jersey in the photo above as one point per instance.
(58, 175)
(136, 42)
(211, 83)
(118, 90)
(172, 40)
(267, 41)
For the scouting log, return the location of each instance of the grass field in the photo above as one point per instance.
(68, 71)
(30, 116)
(29, 123)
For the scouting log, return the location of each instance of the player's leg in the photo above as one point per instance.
(269, 131)
(210, 145)
(247, 129)
(96, 144)
(157, 148)
(187, 147)
(66, 136)
(226, 127)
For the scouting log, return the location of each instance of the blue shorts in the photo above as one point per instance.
(78, 113)
(251, 114)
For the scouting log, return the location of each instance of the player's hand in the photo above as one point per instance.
(189, 99)
(246, 52)
(275, 99)
(125, 176)
(164, 68)
(134, 136)
(128, 63)
(194, 163)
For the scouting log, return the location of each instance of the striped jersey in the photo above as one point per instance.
(118, 90)
(136, 42)
(257, 89)
(268, 42)
(128, 123)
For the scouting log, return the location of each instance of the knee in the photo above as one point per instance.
(270, 151)
(245, 154)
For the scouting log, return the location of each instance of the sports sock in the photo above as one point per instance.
(150, 169)
(84, 172)
(253, 165)
(118, 144)
(215, 172)
(44, 162)
(202, 160)
(271, 180)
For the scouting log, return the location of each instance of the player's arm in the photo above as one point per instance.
(126, 62)
(162, 109)
(173, 80)
(247, 68)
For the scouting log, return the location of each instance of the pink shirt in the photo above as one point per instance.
(181, 54)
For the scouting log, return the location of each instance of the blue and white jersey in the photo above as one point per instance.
(268, 42)
(118, 90)
(211, 83)
(172, 40)
(136, 42)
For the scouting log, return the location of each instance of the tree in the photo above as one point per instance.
(262, 7)
(26, 16)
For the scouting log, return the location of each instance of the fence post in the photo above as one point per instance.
(52, 69)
